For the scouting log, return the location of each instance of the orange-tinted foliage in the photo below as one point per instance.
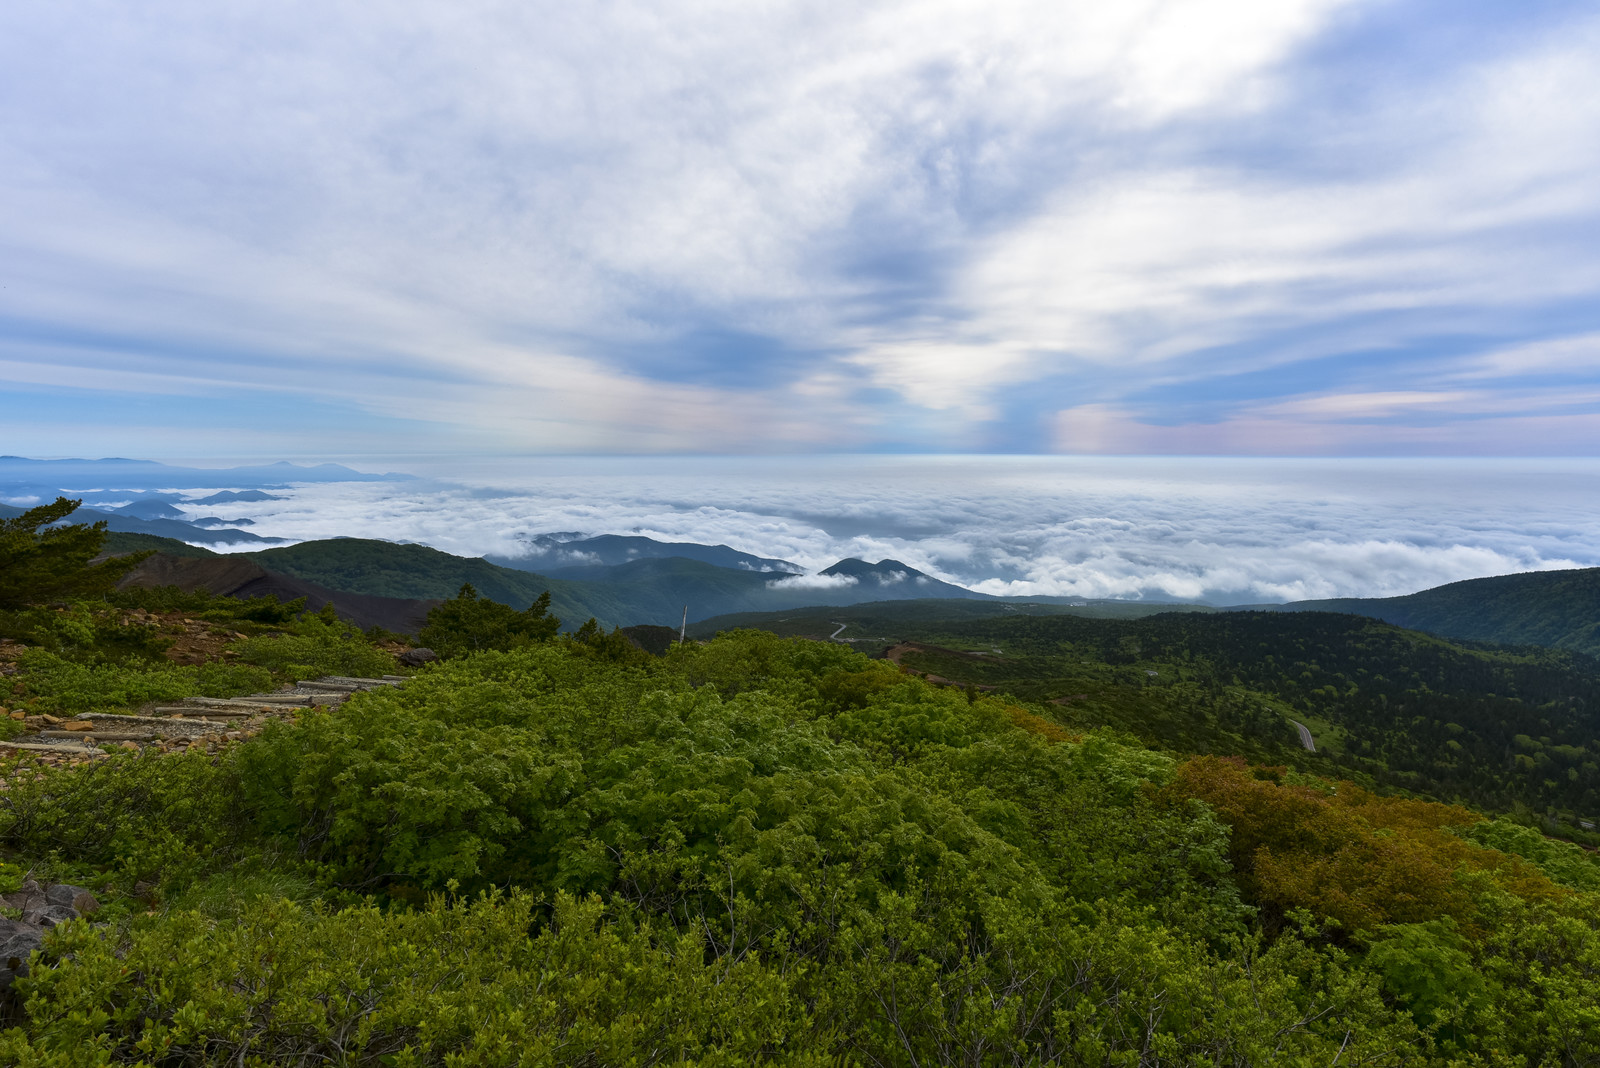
(1349, 854)
(1033, 724)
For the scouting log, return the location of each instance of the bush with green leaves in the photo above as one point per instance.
(141, 815)
(468, 623)
(316, 645)
(1568, 864)
(749, 851)
(57, 684)
(468, 984)
(85, 630)
(203, 604)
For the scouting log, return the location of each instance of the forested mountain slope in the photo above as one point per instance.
(1560, 609)
(1497, 727)
(387, 569)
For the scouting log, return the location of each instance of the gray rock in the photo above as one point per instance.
(49, 915)
(17, 940)
(64, 893)
(86, 904)
(418, 657)
(23, 900)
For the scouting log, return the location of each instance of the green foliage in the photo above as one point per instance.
(316, 645)
(1392, 708)
(759, 850)
(203, 604)
(468, 623)
(42, 562)
(60, 685)
(140, 814)
(457, 983)
(86, 630)
(1563, 862)
(1428, 967)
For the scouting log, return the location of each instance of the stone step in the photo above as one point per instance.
(364, 684)
(190, 712)
(76, 749)
(102, 738)
(172, 728)
(276, 701)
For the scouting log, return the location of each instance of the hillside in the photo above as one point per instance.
(1496, 727)
(649, 590)
(549, 553)
(1558, 609)
(118, 542)
(755, 851)
(883, 622)
(416, 572)
(238, 577)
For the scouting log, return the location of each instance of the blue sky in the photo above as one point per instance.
(1304, 227)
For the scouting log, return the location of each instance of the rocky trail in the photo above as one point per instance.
(203, 723)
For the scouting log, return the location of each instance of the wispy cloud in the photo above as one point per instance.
(696, 226)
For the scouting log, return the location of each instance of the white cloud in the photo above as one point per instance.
(813, 582)
(1229, 531)
(464, 216)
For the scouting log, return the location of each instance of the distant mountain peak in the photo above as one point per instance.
(883, 570)
(573, 549)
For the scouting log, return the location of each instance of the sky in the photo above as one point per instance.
(1213, 227)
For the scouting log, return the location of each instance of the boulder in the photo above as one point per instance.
(27, 896)
(64, 894)
(418, 657)
(49, 915)
(17, 940)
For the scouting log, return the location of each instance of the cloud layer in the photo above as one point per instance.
(1242, 226)
(1225, 531)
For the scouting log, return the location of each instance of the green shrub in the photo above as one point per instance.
(467, 623)
(463, 984)
(1564, 862)
(85, 631)
(62, 685)
(318, 645)
(150, 816)
(202, 604)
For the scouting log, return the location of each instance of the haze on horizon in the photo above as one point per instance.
(1307, 227)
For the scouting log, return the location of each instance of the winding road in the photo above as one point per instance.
(1305, 736)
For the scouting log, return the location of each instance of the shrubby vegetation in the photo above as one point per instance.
(1489, 726)
(316, 645)
(765, 850)
(467, 623)
(59, 684)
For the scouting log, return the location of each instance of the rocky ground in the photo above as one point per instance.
(200, 723)
(203, 723)
(40, 907)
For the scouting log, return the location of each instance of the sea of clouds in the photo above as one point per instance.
(1226, 531)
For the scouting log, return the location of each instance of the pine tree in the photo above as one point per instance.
(43, 560)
